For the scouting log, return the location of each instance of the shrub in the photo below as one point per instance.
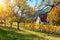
(41, 27)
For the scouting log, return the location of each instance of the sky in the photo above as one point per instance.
(33, 2)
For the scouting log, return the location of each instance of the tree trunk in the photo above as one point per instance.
(11, 25)
(24, 23)
(18, 26)
(4, 22)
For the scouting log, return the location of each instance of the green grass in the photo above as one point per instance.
(13, 34)
(7, 33)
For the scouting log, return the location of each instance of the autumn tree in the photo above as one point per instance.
(53, 15)
(20, 6)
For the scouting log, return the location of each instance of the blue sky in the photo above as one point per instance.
(33, 2)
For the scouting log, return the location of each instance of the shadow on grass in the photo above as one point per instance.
(12, 35)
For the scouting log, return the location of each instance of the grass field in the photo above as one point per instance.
(7, 33)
